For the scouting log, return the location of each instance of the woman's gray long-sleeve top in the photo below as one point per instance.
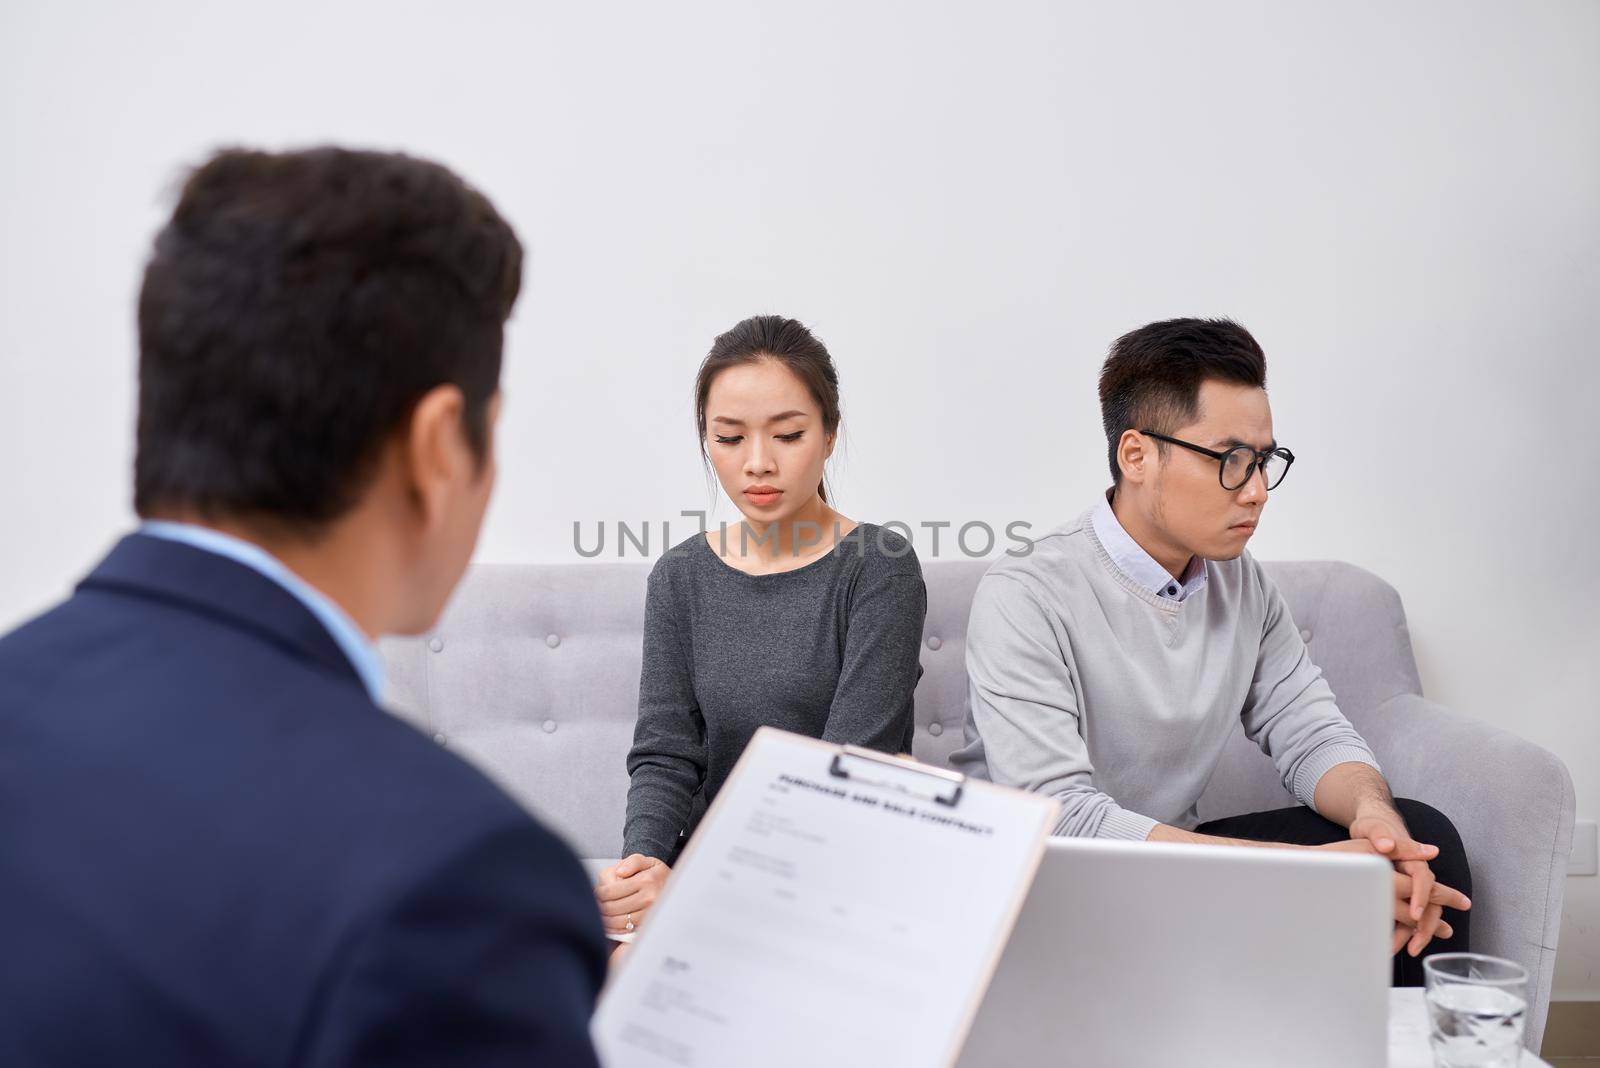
(828, 650)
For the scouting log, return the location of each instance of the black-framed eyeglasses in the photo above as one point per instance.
(1238, 464)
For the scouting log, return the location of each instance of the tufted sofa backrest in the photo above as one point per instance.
(533, 674)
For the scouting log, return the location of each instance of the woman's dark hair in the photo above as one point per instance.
(1153, 375)
(785, 341)
(294, 310)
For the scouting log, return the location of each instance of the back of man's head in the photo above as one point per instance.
(296, 308)
(1153, 375)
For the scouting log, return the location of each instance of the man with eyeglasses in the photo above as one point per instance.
(1108, 667)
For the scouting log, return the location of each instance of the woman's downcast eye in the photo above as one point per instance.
(734, 439)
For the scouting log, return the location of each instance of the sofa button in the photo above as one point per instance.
(440, 738)
(436, 644)
(549, 726)
(936, 729)
(552, 640)
(1305, 635)
(934, 642)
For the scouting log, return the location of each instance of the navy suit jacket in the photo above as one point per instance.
(216, 850)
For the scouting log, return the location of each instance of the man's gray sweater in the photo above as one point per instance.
(1084, 686)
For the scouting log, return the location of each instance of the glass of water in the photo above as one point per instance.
(1476, 1007)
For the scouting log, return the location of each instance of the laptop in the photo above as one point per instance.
(1153, 955)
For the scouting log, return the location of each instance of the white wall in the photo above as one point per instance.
(968, 202)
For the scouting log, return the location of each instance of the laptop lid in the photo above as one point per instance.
(1152, 954)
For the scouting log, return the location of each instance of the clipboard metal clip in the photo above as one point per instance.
(903, 769)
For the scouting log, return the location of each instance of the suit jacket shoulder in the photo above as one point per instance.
(214, 838)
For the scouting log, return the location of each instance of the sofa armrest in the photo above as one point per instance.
(1513, 804)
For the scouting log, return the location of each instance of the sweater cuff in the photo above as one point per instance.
(1324, 760)
(1126, 826)
(650, 839)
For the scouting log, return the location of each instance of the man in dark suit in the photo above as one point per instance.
(215, 847)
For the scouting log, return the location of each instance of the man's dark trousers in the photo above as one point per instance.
(1302, 826)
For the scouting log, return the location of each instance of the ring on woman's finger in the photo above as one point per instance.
(630, 922)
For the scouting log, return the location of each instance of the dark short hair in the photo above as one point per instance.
(1152, 377)
(785, 341)
(294, 310)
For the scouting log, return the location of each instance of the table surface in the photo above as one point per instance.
(1408, 1032)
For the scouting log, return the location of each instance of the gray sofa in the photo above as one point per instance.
(533, 675)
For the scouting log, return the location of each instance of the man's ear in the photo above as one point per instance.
(1134, 457)
(436, 450)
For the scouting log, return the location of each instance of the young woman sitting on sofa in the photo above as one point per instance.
(797, 617)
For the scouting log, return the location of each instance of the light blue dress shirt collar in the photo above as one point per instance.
(1131, 559)
(361, 653)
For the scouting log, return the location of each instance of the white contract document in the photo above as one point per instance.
(835, 907)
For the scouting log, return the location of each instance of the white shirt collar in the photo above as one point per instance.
(1131, 559)
(355, 645)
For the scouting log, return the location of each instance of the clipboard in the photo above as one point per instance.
(954, 780)
(836, 905)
